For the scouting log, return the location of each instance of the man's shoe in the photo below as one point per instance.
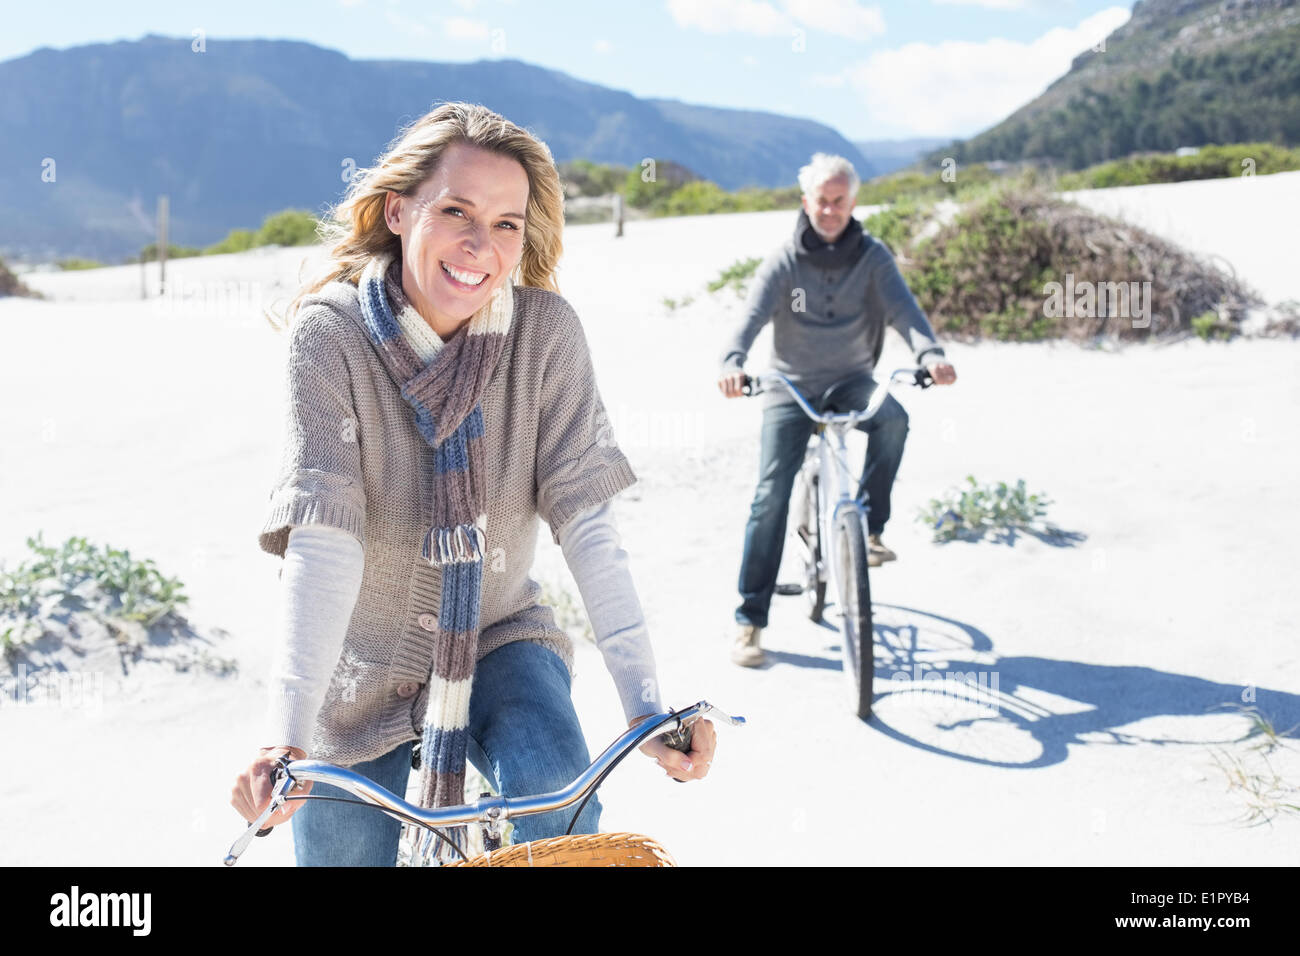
(745, 650)
(877, 553)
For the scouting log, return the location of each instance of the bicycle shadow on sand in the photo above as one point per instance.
(940, 687)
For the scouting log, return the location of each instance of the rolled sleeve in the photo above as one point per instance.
(579, 465)
(320, 479)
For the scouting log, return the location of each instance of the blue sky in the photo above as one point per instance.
(882, 70)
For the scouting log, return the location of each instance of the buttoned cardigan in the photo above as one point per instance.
(353, 458)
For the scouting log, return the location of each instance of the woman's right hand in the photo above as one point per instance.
(252, 790)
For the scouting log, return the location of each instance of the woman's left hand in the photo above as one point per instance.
(680, 766)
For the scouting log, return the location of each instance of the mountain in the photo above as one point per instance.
(1178, 73)
(889, 155)
(249, 127)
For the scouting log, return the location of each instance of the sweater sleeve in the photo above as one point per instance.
(579, 465)
(767, 291)
(888, 295)
(320, 583)
(320, 479)
(592, 549)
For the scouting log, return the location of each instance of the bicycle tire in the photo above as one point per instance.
(856, 633)
(810, 530)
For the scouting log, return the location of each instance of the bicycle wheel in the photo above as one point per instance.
(850, 550)
(809, 531)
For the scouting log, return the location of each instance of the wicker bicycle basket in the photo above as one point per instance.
(595, 849)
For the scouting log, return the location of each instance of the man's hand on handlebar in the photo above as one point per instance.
(942, 373)
(730, 383)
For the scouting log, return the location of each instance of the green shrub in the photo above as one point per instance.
(1208, 325)
(700, 198)
(676, 191)
(917, 185)
(986, 273)
(150, 253)
(107, 579)
(736, 275)
(237, 240)
(668, 178)
(1211, 162)
(289, 227)
(74, 264)
(970, 512)
(983, 274)
(593, 179)
(895, 225)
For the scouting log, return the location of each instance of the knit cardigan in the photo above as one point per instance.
(320, 585)
(353, 458)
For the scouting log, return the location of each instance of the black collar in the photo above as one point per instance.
(811, 248)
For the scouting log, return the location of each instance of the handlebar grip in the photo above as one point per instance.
(283, 763)
(747, 386)
(678, 740)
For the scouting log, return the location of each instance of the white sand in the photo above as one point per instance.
(158, 430)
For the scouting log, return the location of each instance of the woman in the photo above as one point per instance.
(441, 399)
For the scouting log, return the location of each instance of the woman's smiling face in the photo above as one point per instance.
(462, 233)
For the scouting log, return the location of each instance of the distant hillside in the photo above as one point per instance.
(253, 126)
(1178, 73)
(889, 155)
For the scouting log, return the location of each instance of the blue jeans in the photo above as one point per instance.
(785, 435)
(524, 735)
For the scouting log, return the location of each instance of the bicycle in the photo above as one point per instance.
(826, 510)
(490, 813)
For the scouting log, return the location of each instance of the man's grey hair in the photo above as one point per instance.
(825, 166)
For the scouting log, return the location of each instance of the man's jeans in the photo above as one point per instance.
(524, 735)
(785, 435)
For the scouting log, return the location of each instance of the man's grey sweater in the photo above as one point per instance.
(828, 325)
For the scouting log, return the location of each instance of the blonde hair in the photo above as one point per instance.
(356, 225)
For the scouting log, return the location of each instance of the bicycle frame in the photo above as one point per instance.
(827, 458)
(488, 812)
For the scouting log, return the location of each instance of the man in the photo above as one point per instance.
(829, 290)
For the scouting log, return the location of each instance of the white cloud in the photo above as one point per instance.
(846, 18)
(730, 16)
(991, 4)
(602, 46)
(406, 24)
(462, 28)
(958, 87)
(827, 81)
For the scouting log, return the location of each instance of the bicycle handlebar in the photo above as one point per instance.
(289, 772)
(915, 375)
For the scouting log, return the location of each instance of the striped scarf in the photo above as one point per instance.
(445, 395)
